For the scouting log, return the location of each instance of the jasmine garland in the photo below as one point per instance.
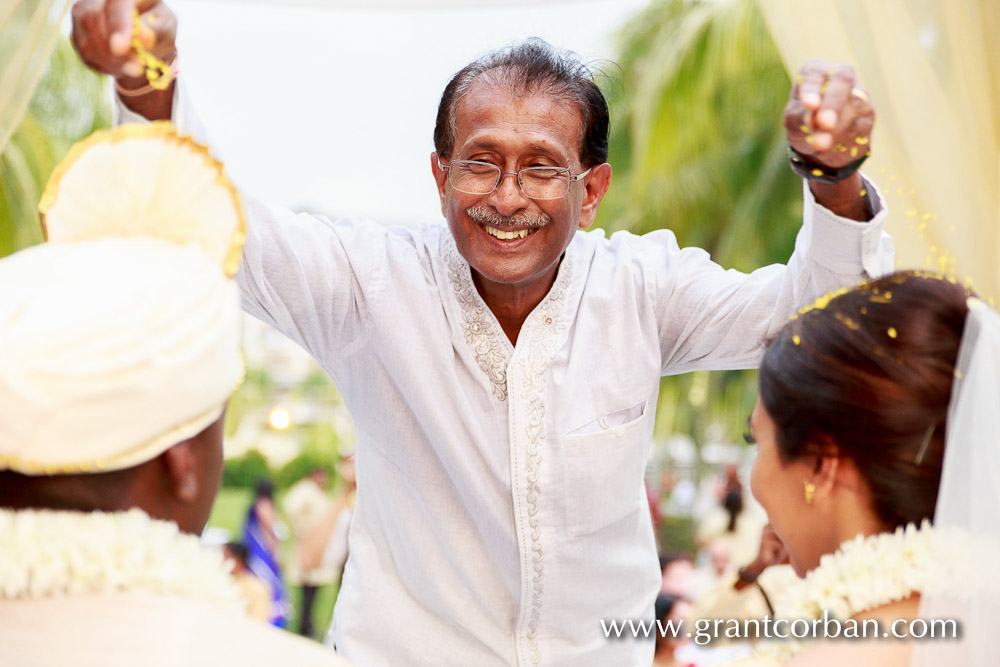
(47, 553)
(864, 573)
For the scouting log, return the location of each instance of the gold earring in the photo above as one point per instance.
(810, 492)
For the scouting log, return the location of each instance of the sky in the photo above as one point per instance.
(332, 110)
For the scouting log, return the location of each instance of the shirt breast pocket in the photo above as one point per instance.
(604, 461)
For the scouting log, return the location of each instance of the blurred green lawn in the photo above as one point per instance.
(229, 512)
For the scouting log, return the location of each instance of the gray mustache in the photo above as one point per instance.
(484, 215)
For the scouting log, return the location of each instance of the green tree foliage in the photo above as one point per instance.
(243, 472)
(698, 147)
(320, 449)
(319, 440)
(303, 464)
(69, 104)
(250, 396)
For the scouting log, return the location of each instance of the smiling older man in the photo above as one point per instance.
(502, 371)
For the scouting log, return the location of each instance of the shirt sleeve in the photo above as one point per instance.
(310, 278)
(710, 318)
(304, 275)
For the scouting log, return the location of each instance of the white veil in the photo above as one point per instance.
(964, 578)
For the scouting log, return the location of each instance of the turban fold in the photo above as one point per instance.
(119, 336)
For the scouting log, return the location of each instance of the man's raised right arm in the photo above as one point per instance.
(310, 278)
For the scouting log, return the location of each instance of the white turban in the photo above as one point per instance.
(115, 347)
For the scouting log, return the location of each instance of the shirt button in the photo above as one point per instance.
(602, 422)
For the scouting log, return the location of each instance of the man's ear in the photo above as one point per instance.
(440, 178)
(187, 478)
(596, 184)
(183, 476)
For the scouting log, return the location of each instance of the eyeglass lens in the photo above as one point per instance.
(480, 178)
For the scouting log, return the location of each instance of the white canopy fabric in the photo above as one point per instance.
(28, 29)
(933, 70)
(416, 5)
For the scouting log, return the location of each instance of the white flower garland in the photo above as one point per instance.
(47, 553)
(863, 574)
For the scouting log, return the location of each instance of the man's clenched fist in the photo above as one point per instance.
(829, 116)
(103, 33)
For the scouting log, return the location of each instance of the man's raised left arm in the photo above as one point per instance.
(710, 318)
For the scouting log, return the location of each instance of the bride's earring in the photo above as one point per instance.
(810, 491)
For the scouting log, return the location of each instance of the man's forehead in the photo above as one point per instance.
(488, 139)
(491, 112)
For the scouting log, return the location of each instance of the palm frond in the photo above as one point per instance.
(69, 104)
(698, 147)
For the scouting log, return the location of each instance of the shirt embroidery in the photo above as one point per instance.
(479, 324)
(544, 331)
(545, 337)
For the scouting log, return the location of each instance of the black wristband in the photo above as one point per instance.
(811, 171)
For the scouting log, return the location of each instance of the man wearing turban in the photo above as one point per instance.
(119, 347)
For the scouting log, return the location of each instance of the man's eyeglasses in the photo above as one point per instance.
(481, 178)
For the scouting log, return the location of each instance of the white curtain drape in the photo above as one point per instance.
(403, 4)
(28, 30)
(933, 70)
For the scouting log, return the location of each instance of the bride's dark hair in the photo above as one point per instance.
(870, 372)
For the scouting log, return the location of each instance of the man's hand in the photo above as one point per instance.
(829, 116)
(102, 35)
(772, 552)
(829, 119)
(772, 549)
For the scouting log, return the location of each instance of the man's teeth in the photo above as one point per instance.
(506, 235)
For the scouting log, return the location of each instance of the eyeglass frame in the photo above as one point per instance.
(572, 178)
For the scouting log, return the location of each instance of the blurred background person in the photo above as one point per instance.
(730, 532)
(255, 592)
(677, 573)
(745, 594)
(305, 505)
(671, 613)
(326, 545)
(260, 534)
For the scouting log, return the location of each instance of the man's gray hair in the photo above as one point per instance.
(527, 67)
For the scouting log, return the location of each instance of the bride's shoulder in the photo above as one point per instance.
(881, 650)
(857, 653)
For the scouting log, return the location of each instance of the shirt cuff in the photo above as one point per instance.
(182, 115)
(122, 115)
(843, 245)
